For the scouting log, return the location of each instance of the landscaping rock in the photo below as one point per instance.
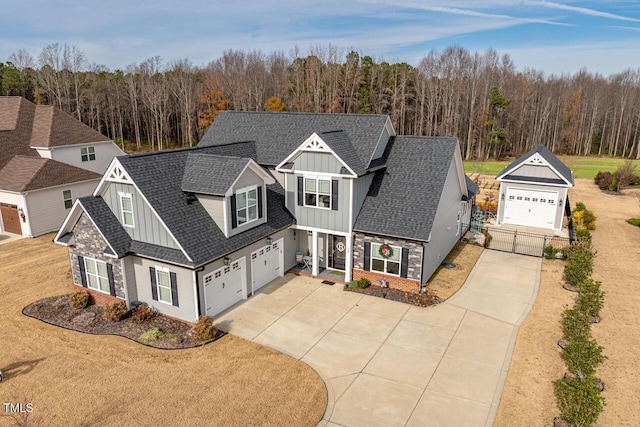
(600, 385)
(557, 422)
(85, 319)
(570, 287)
(559, 255)
(594, 319)
(563, 343)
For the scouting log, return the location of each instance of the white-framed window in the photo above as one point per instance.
(67, 199)
(247, 205)
(163, 282)
(317, 192)
(97, 276)
(388, 265)
(126, 209)
(88, 154)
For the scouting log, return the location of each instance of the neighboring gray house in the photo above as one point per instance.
(194, 231)
(534, 191)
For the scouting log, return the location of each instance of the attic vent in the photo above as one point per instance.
(191, 198)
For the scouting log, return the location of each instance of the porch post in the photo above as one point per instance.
(348, 259)
(314, 253)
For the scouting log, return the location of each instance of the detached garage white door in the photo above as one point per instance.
(266, 264)
(223, 287)
(533, 208)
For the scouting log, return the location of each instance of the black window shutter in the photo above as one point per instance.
(259, 202)
(174, 289)
(112, 285)
(154, 287)
(404, 266)
(300, 191)
(234, 212)
(334, 194)
(83, 274)
(367, 256)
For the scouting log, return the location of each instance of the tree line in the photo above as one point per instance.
(480, 98)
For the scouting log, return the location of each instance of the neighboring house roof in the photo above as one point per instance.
(278, 134)
(53, 127)
(26, 173)
(403, 198)
(211, 174)
(159, 177)
(549, 157)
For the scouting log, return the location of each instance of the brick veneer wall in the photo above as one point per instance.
(89, 243)
(414, 267)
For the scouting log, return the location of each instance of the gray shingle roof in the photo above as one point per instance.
(340, 143)
(159, 176)
(404, 197)
(211, 174)
(278, 134)
(106, 221)
(472, 187)
(555, 162)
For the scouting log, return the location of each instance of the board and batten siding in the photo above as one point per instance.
(186, 309)
(562, 196)
(360, 189)
(147, 226)
(130, 278)
(335, 220)
(317, 162)
(536, 171)
(445, 224)
(46, 206)
(71, 155)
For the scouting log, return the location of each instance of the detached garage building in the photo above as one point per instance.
(534, 191)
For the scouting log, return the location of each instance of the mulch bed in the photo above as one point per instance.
(57, 311)
(420, 300)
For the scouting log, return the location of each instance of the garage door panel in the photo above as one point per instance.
(223, 287)
(533, 208)
(265, 264)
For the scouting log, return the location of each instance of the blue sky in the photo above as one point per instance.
(551, 36)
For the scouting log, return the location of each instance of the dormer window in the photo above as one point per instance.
(247, 205)
(88, 154)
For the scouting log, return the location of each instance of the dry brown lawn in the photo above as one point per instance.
(447, 281)
(74, 379)
(528, 398)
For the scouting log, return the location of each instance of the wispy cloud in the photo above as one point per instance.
(582, 10)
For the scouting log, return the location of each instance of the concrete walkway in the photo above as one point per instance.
(391, 364)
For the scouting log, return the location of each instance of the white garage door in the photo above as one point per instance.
(265, 264)
(533, 208)
(223, 287)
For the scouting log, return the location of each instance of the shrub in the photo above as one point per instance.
(204, 329)
(550, 252)
(143, 313)
(115, 311)
(361, 283)
(579, 264)
(584, 217)
(583, 355)
(634, 221)
(575, 324)
(627, 174)
(152, 335)
(590, 297)
(604, 180)
(79, 299)
(580, 402)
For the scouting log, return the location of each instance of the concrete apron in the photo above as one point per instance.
(6, 237)
(386, 363)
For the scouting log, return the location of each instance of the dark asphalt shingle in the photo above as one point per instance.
(211, 174)
(106, 221)
(546, 154)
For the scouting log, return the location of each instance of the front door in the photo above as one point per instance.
(10, 218)
(337, 252)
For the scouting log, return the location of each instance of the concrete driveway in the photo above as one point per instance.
(391, 364)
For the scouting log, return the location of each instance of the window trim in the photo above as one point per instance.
(87, 273)
(317, 193)
(67, 199)
(246, 191)
(129, 196)
(165, 270)
(88, 154)
(396, 249)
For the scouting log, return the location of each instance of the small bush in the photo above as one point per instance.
(583, 355)
(361, 283)
(583, 217)
(575, 324)
(115, 311)
(152, 335)
(634, 221)
(550, 252)
(604, 180)
(579, 262)
(79, 299)
(143, 313)
(204, 329)
(590, 298)
(580, 402)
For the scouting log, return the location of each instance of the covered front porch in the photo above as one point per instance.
(323, 253)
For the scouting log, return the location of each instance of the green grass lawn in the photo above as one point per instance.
(582, 167)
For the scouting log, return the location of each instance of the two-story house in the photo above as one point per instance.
(194, 231)
(47, 160)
